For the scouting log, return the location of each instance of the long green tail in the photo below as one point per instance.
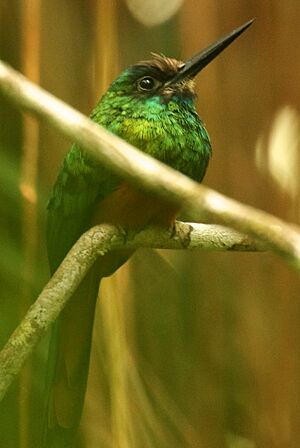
(69, 356)
(68, 365)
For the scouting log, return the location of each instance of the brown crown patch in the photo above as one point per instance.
(168, 67)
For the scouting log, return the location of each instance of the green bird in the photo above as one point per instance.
(152, 106)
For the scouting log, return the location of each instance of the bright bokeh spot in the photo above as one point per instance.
(153, 12)
(281, 156)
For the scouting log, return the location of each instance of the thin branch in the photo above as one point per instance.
(201, 202)
(97, 241)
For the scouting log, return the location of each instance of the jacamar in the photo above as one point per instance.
(152, 106)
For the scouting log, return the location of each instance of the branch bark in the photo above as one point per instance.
(201, 202)
(96, 242)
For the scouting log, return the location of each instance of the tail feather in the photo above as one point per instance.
(69, 356)
(68, 365)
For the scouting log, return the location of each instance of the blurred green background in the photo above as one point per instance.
(190, 349)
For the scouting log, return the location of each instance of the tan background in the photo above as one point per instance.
(191, 349)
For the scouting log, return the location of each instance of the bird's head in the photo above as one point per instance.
(166, 77)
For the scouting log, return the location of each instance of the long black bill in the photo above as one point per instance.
(199, 61)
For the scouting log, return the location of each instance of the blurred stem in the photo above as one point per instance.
(122, 158)
(113, 310)
(106, 68)
(97, 241)
(30, 13)
(106, 45)
(31, 68)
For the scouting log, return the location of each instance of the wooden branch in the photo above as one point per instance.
(201, 202)
(97, 241)
(193, 236)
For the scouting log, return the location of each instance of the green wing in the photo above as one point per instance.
(82, 182)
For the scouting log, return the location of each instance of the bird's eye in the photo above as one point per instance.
(146, 84)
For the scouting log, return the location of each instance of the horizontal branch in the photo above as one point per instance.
(193, 236)
(202, 203)
(97, 241)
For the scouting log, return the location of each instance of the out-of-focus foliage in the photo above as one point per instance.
(190, 349)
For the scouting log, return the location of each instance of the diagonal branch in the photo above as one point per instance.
(97, 241)
(122, 158)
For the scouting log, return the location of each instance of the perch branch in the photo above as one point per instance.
(202, 203)
(97, 241)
